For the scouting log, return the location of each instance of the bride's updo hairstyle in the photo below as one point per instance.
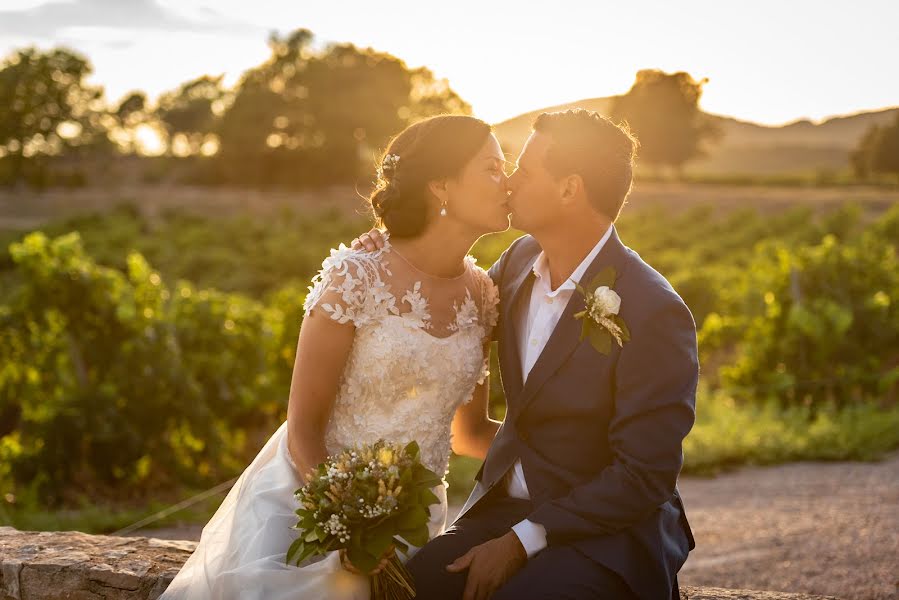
(428, 150)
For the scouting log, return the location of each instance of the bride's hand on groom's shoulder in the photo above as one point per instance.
(490, 565)
(371, 241)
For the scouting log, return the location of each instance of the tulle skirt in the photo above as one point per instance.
(242, 549)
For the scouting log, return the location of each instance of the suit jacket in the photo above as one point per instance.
(599, 436)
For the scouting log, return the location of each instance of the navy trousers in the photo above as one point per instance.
(557, 572)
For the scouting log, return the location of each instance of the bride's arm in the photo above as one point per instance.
(322, 351)
(473, 430)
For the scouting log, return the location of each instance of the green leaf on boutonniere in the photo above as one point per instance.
(606, 277)
(600, 337)
(601, 340)
(625, 332)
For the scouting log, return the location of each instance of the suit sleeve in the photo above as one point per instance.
(655, 407)
(496, 269)
(496, 272)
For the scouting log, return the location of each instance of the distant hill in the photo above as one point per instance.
(745, 147)
(513, 132)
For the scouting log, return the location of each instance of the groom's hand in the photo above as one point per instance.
(490, 565)
(371, 241)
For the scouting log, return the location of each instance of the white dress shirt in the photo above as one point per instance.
(536, 322)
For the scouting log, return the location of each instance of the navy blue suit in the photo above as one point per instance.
(599, 438)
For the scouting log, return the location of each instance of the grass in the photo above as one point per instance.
(25, 514)
(728, 435)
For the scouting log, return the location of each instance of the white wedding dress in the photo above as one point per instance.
(417, 355)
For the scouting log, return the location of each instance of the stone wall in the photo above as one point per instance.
(77, 566)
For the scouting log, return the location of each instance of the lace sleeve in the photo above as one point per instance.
(349, 287)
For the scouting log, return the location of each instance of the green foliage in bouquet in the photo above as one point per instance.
(364, 500)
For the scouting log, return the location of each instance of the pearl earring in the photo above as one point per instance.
(443, 210)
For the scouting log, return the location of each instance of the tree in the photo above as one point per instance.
(126, 118)
(877, 151)
(430, 97)
(663, 110)
(189, 115)
(45, 106)
(318, 116)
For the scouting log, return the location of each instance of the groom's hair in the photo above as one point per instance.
(588, 144)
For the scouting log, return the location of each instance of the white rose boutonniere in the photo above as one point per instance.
(601, 322)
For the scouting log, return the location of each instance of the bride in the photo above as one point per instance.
(394, 344)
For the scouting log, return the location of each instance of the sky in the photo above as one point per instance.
(768, 61)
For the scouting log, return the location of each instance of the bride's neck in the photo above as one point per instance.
(438, 251)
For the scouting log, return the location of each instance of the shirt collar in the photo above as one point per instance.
(541, 266)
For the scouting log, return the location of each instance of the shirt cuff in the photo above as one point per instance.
(532, 536)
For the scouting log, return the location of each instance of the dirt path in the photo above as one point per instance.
(825, 528)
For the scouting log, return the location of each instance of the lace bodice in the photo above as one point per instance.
(418, 350)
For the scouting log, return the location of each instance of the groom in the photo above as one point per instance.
(577, 497)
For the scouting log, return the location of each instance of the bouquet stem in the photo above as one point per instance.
(394, 582)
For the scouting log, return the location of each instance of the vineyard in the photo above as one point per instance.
(151, 358)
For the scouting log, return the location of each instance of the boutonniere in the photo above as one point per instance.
(601, 322)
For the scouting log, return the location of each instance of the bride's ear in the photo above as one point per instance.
(438, 189)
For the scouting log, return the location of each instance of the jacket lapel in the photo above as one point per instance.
(566, 335)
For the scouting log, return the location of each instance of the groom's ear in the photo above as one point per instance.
(571, 188)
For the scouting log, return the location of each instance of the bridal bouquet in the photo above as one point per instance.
(361, 501)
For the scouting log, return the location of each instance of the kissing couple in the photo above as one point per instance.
(577, 494)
